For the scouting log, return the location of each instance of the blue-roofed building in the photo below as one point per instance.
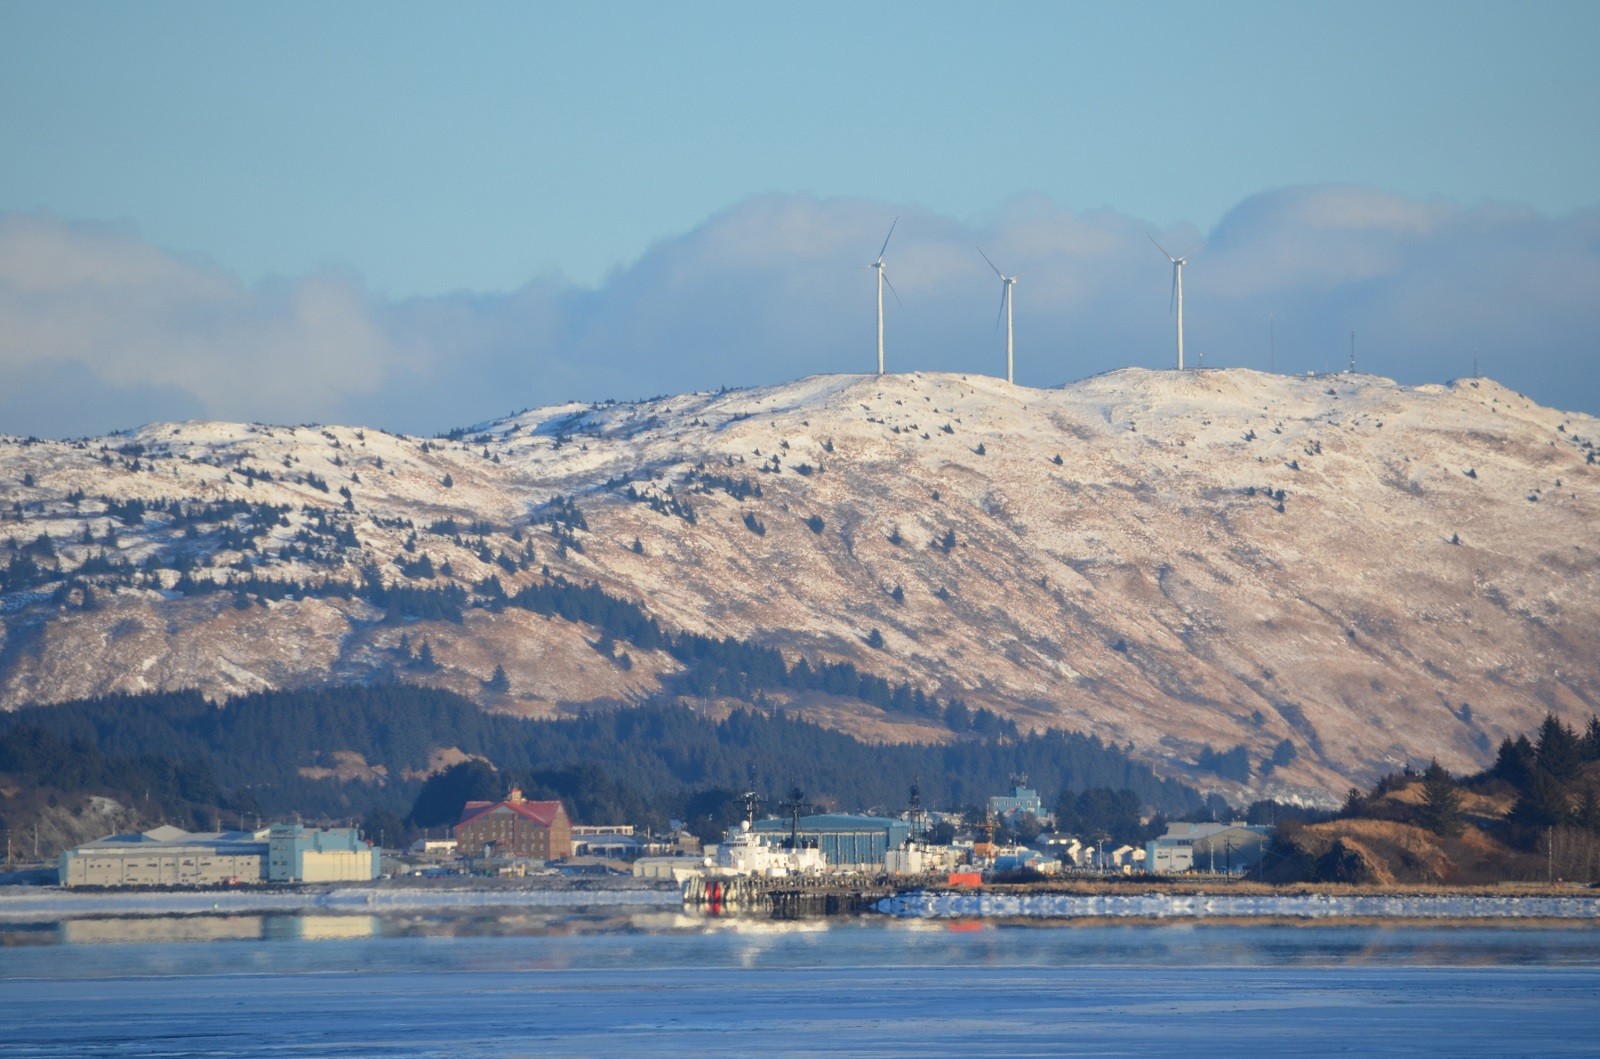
(851, 842)
(171, 856)
(167, 856)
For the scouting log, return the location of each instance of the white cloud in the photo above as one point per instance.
(131, 317)
(773, 288)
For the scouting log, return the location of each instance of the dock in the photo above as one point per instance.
(795, 896)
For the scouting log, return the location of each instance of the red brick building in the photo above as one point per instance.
(515, 828)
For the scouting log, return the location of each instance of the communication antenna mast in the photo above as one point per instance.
(914, 806)
(752, 800)
(792, 807)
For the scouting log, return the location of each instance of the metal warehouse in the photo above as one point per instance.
(171, 856)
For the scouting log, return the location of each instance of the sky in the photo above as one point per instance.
(419, 216)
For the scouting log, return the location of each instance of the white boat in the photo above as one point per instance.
(748, 853)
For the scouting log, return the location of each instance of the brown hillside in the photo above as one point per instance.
(1378, 574)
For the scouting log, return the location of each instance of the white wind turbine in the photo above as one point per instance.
(883, 278)
(1006, 283)
(1177, 290)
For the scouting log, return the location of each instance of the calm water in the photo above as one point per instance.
(557, 984)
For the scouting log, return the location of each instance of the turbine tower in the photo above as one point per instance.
(883, 278)
(1177, 290)
(1006, 283)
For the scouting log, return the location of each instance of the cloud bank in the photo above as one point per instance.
(100, 330)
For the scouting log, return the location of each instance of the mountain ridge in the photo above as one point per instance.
(1375, 574)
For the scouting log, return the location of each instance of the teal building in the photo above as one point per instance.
(296, 853)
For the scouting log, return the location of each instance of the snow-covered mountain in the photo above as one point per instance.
(1375, 574)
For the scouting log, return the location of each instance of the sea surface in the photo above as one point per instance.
(607, 982)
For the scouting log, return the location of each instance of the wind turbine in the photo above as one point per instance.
(883, 278)
(1177, 290)
(1006, 283)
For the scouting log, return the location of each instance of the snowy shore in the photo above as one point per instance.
(20, 904)
(936, 905)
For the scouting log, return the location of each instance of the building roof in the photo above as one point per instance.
(1181, 829)
(542, 813)
(167, 837)
(841, 822)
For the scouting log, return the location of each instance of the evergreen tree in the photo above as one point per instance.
(383, 827)
(956, 716)
(1587, 815)
(1441, 802)
(1100, 811)
(498, 682)
(1514, 762)
(1558, 752)
(445, 793)
(1543, 804)
(1591, 740)
(1230, 764)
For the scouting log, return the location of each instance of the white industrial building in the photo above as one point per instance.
(1210, 847)
(170, 856)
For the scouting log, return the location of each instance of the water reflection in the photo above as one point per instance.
(565, 939)
(161, 929)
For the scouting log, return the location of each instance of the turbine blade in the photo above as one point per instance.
(887, 238)
(1004, 290)
(1197, 248)
(1161, 248)
(997, 272)
(896, 293)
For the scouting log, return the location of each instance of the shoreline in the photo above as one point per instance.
(23, 904)
(946, 904)
(1119, 900)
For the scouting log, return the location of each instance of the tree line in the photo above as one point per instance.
(643, 765)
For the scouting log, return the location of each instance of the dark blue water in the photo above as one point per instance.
(552, 984)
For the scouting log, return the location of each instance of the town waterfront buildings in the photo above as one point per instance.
(514, 829)
(171, 856)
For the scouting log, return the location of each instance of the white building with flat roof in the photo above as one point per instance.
(167, 856)
(1208, 847)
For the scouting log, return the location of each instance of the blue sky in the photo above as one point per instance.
(528, 178)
